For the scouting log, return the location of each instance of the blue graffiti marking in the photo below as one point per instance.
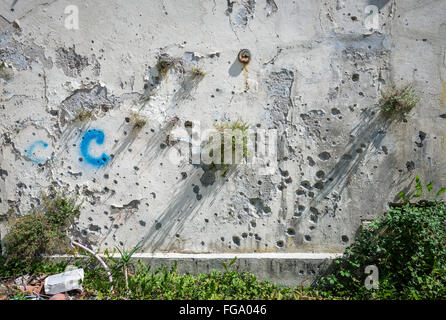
(98, 136)
(30, 154)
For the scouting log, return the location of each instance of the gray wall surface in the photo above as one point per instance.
(314, 81)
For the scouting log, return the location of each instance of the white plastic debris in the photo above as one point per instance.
(63, 282)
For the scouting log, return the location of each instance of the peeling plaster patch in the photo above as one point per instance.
(279, 86)
(6, 72)
(95, 99)
(19, 54)
(70, 62)
(131, 206)
(245, 12)
(271, 7)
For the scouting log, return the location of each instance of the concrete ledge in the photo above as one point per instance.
(281, 268)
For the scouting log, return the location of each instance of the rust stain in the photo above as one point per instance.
(245, 75)
(443, 96)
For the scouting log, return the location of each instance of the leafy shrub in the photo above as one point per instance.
(42, 231)
(407, 244)
(399, 101)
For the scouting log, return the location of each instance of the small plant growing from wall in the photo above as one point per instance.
(137, 120)
(84, 115)
(399, 101)
(197, 72)
(240, 130)
(164, 64)
(42, 231)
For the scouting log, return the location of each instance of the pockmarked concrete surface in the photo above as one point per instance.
(86, 105)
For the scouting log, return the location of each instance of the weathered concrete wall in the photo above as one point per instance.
(316, 74)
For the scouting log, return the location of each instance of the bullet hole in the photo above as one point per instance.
(106, 176)
(81, 159)
(183, 175)
(335, 111)
(199, 197)
(236, 240)
(256, 236)
(311, 194)
(259, 183)
(324, 156)
(347, 156)
(306, 185)
(422, 135)
(443, 116)
(158, 226)
(196, 189)
(127, 119)
(301, 272)
(222, 239)
(410, 165)
(307, 238)
(153, 195)
(115, 181)
(301, 208)
(288, 180)
(355, 77)
(354, 18)
(177, 235)
(313, 218)
(344, 239)
(312, 227)
(279, 244)
(320, 174)
(319, 185)
(244, 235)
(300, 192)
(202, 243)
(163, 146)
(253, 224)
(291, 232)
(244, 56)
(206, 220)
(359, 150)
(310, 161)
(94, 228)
(142, 223)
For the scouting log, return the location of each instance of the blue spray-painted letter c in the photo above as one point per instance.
(88, 137)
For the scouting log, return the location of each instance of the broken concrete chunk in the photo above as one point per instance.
(63, 282)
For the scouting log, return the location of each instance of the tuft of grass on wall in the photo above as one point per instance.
(399, 101)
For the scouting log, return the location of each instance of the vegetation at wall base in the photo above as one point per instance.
(407, 245)
(42, 231)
